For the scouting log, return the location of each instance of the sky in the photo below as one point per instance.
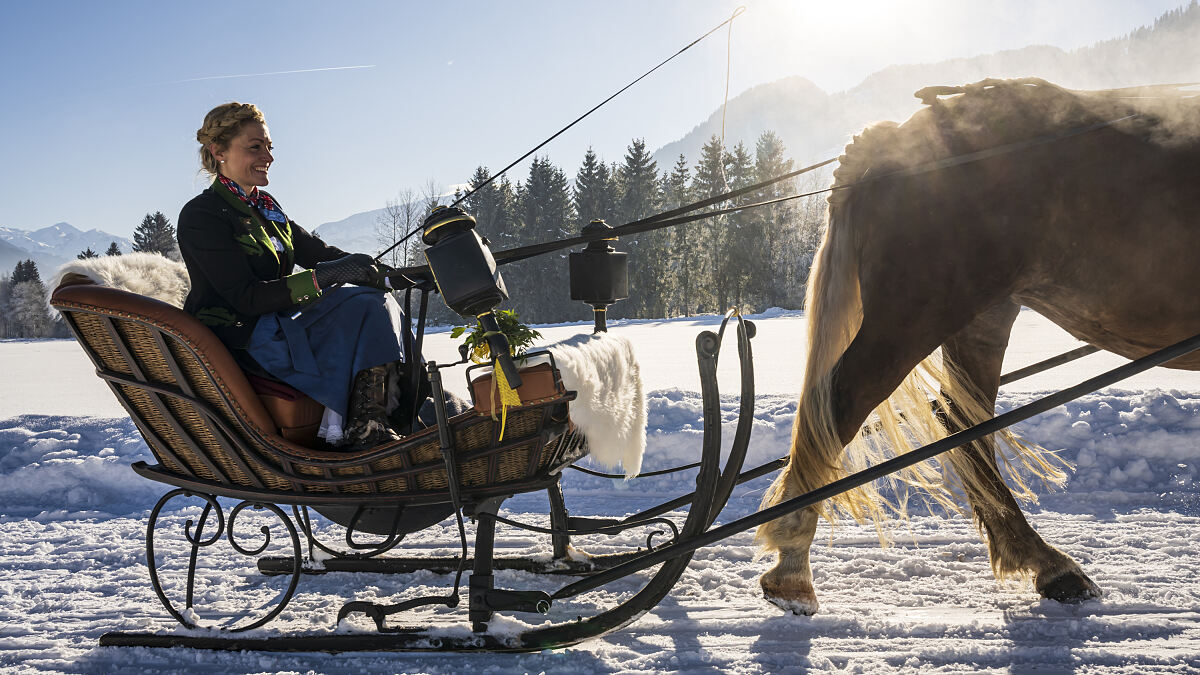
(101, 100)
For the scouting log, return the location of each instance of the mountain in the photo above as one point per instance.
(11, 255)
(354, 234)
(815, 125)
(52, 246)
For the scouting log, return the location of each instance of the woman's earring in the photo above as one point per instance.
(222, 161)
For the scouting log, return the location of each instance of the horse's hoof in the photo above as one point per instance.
(1069, 587)
(799, 601)
(799, 607)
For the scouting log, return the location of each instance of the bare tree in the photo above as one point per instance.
(431, 195)
(399, 217)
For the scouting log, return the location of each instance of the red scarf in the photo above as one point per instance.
(262, 201)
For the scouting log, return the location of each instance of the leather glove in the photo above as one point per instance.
(356, 268)
(379, 277)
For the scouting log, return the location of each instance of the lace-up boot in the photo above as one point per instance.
(367, 420)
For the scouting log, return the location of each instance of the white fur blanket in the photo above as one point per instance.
(147, 274)
(611, 407)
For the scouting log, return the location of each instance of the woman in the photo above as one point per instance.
(242, 254)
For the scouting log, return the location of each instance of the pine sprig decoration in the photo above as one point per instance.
(520, 337)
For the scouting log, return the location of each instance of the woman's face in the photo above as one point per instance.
(248, 156)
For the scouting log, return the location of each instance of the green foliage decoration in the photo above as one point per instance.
(520, 337)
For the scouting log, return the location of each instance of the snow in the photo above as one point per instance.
(72, 524)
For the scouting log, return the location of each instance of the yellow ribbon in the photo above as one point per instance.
(508, 397)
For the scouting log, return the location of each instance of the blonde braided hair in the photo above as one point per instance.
(221, 124)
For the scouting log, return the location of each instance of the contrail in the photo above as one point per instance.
(278, 72)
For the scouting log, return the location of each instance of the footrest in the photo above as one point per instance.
(501, 600)
(585, 524)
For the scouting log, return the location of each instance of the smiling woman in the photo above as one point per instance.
(241, 252)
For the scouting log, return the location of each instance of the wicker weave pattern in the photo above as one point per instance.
(247, 455)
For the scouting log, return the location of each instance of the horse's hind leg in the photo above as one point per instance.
(789, 584)
(876, 362)
(1015, 548)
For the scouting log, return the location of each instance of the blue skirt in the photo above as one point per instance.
(321, 350)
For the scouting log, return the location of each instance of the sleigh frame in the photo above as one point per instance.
(213, 439)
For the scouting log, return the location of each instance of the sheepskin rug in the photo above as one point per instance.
(147, 274)
(611, 408)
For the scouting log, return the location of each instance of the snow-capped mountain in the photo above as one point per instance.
(51, 246)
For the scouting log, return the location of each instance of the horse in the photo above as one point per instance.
(1082, 205)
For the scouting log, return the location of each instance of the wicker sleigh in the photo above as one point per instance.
(211, 432)
(215, 436)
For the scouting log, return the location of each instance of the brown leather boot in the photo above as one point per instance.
(366, 416)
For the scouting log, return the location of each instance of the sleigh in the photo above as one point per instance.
(217, 435)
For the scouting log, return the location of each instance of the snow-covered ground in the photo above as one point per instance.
(72, 517)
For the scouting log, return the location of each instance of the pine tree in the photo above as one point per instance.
(685, 255)
(29, 312)
(23, 303)
(809, 229)
(6, 323)
(594, 195)
(491, 205)
(156, 234)
(494, 208)
(786, 272)
(26, 270)
(113, 249)
(87, 253)
(638, 178)
(545, 212)
(743, 236)
(713, 270)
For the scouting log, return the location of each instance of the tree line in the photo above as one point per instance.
(751, 260)
(23, 309)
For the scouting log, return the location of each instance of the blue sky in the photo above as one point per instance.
(101, 100)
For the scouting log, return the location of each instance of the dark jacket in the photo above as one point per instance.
(241, 264)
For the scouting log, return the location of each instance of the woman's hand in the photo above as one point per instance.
(356, 268)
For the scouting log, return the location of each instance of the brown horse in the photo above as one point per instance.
(1087, 210)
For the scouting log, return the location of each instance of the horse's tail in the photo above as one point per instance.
(913, 415)
(833, 310)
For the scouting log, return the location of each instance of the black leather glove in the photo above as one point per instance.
(356, 268)
(379, 277)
